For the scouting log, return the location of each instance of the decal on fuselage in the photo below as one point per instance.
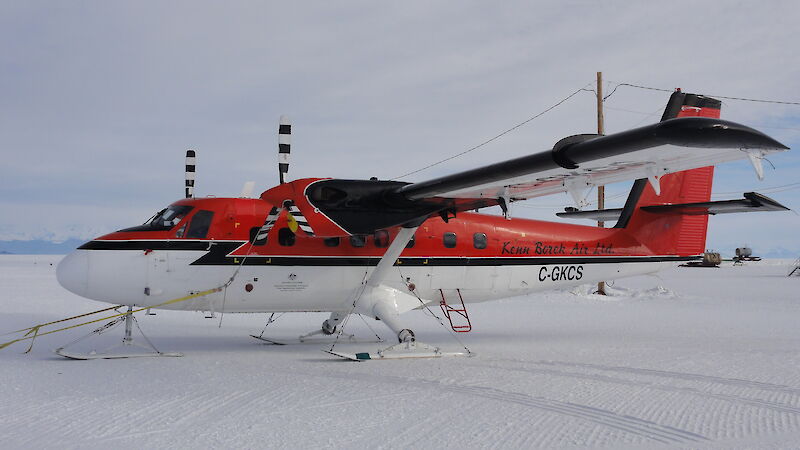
(561, 273)
(541, 248)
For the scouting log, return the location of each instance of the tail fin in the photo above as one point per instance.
(674, 234)
(689, 105)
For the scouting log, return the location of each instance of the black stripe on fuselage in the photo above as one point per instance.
(218, 255)
(150, 245)
(312, 261)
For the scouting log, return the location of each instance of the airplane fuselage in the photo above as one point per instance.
(485, 257)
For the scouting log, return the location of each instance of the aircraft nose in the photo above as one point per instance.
(73, 272)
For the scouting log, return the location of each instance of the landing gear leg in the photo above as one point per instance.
(329, 326)
(125, 346)
(408, 347)
(406, 335)
(330, 331)
(391, 319)
(331, 323)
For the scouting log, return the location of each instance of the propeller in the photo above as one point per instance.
(190, 161)
(295, 218)
(284, 146)
(263, 232)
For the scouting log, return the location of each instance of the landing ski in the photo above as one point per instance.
(346, 339)
(93, 355)
(407, 350)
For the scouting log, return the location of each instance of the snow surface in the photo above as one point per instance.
(696, 358)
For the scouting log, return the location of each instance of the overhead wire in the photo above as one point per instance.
(586, 89)
(492, 139)
(781, 188)
(744, 99)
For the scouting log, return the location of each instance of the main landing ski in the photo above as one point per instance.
(406, 350)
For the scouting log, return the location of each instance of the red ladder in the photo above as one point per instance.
(449, 311)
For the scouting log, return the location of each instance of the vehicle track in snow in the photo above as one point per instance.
(633, 425)
(775, 406)
(739, 382)
(740, 407)
(114, 417)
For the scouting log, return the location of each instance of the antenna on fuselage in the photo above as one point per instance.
(284, 146)
(190, 166)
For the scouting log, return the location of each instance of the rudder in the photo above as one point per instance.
(672, 233)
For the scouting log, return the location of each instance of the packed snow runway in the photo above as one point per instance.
(694, 358)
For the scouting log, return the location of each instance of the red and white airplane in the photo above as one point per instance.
(383, 248)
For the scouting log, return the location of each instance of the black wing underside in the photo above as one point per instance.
(575, 164)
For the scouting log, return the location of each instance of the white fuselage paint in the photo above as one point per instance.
(135, 278)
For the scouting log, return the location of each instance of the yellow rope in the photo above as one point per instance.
(35, 329)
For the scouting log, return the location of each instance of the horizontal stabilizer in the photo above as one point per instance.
(600, 215)
(752, 202)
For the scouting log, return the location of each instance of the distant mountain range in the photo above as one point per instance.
(39, 247)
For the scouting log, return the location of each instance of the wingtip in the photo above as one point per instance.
(710, 132)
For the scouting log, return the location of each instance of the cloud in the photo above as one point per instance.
(100, 99)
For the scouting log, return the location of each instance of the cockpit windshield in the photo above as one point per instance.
(169, 217)
(164, 219)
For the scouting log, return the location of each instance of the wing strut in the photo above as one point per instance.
(392, 253)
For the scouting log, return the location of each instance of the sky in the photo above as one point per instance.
(100, 99)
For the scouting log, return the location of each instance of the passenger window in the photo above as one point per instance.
(358, 241)
(381, 238)
(285, 237)
(201, 222)
(450, 240)
(479, 240)
(331, 242)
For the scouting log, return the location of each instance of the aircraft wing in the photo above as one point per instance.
(578, 163)
(575, 164)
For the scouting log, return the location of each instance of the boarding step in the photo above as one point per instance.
(457, 315)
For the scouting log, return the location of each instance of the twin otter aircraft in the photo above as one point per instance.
(383, 248)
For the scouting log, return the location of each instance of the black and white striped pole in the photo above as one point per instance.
(190, 167)
(284, 146)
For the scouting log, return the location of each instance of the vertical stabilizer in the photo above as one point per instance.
(674, 234)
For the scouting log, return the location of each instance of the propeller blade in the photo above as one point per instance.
(263, 232)
(298, 220)
(295, 220)
(190, 166)
(284, 146)
(247, 189)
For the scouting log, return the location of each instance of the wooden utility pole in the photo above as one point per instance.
(601, 190)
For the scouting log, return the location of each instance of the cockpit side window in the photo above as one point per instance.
(201, 222)
(181, 231)
(163, 220)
